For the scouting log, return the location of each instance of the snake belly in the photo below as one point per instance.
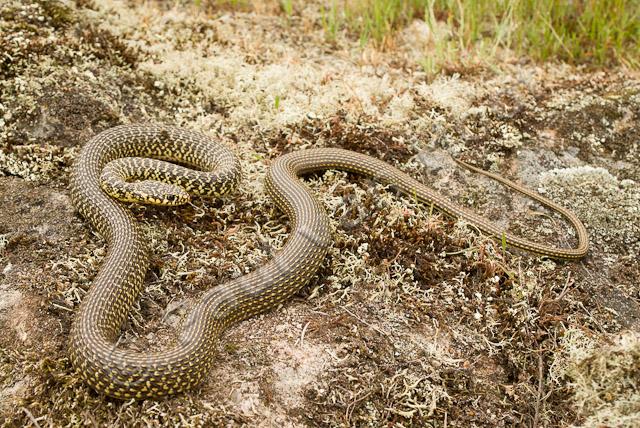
(128, 374)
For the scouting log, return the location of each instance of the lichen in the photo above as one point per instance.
(414, 318)
(602, 373)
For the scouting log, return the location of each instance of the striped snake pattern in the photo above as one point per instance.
(109, 161)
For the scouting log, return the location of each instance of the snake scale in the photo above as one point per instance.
(116, 156)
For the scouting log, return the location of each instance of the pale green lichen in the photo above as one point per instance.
(603, 375)
(451, 93)
(609, 207)
(412, 314)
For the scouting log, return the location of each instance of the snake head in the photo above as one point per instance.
(149, 192)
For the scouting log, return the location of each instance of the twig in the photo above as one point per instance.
(539, 398)
(382, 332)
(304, 330)
(33, 420)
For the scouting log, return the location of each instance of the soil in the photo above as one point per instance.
(414, 319)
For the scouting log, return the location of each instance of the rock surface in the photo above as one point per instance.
(414, 320)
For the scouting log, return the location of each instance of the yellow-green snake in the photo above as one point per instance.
(127, 374)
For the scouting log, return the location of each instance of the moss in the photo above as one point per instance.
(105, 46)
(413, 319)
(603, 377)
(59, 14)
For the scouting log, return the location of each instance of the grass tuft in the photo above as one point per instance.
(599, 32)
(595, 32)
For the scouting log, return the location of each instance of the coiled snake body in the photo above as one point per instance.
(128, 374)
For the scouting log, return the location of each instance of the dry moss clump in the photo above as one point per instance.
(603, 376)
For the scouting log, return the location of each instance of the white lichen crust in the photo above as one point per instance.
(413, 320)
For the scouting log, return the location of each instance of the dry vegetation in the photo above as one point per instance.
(414, 320)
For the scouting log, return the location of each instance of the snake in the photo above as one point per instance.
(158, 164)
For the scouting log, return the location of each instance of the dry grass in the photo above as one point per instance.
(597, 32)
